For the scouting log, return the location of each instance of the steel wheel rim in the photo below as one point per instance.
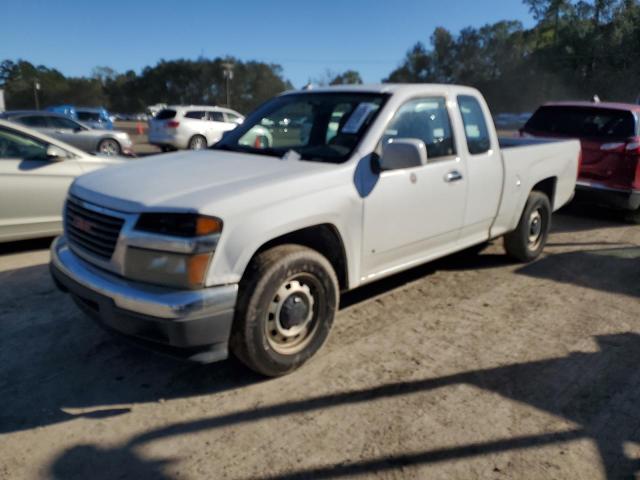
(197, 143)
(536, 230)
(109, 147)
(284, 338)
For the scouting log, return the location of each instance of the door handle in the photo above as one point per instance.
(453, 176)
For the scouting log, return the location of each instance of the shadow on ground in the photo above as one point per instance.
(74, 365)
(598, 391)
(67, 363)
(614, 270)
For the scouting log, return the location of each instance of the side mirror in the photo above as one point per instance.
(403, 153)
(56, 154)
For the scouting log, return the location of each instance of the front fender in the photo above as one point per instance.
(244, 234)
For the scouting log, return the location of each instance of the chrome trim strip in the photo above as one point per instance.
(154, 241)
(160, 302)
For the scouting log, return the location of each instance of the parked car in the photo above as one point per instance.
(192, 127)
(610, 137)
(92, 117)
(97, 118)
(35, 174)
(91, 140)
(248, 247)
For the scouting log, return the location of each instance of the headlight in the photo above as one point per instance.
(179, 224)
(181, 261)
(167, 268)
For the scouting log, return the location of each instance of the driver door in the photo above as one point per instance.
(413, 214)
(33, 187)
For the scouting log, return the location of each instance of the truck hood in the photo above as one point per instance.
(203, 181)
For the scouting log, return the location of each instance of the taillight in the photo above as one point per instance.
(633, 151)
(633, 147)
(173, 124)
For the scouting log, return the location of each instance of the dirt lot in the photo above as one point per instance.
(472, 367)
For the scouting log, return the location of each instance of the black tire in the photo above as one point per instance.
(166, 148)
(197, 142)
(527, 241)
(305, 277)
(109, 146)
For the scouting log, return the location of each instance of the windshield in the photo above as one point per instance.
(322, 127)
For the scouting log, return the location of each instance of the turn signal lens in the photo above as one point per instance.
(197, 268)
(208, 225)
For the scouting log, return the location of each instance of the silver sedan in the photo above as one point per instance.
(35, 174)
(91, 140)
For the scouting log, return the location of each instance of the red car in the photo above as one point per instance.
(610, 135)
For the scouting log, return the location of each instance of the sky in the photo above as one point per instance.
(306, 38)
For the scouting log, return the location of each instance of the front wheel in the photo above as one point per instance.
(286, 305)
(527, 241)
(109, 147)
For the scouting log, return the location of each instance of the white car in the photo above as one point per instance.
(247, 247)
(35, 174)
(191, 127)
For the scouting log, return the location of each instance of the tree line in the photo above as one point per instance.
(576, 49)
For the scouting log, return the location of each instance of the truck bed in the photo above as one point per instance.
(527, 161)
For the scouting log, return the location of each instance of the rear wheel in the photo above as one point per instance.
(527, 241)
(287, 302)
(109, 146)
(197, 142)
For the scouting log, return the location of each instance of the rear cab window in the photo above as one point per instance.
(475, 125)
(583, 122)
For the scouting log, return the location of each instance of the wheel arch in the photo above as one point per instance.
(548, 187)
(323, 238)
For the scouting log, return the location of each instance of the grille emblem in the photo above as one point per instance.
(82, 224)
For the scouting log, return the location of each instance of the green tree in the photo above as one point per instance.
(350, 77)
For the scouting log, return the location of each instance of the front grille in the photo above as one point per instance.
(91, 231)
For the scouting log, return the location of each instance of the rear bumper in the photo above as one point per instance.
(613, 197)
(194, 324)
(161, 139)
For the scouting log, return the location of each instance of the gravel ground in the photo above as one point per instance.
(470, 367)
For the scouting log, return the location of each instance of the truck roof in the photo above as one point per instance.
(629, 107)
(381, 88)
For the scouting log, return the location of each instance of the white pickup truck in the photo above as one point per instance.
(247, 246)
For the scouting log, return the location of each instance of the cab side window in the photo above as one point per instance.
(14, 145)
(425, 119)
(475, 125)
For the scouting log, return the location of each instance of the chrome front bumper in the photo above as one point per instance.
(175, 318)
